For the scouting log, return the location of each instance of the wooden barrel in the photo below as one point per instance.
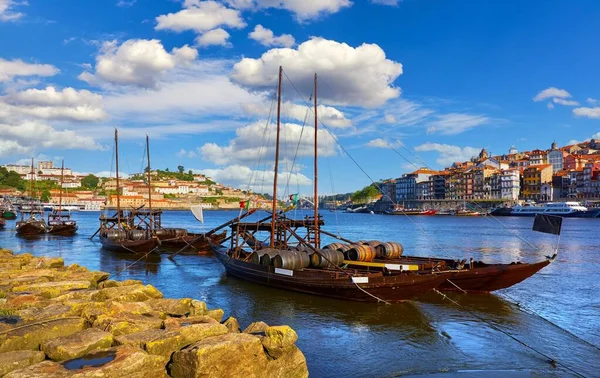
(389, 250)
(136, 234)
(372, 243)
(361, 253)
(293, 260)
(319, 260)
(263, 256)
(342, 247)
(116, 234)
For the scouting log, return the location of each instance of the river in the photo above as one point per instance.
(429, 336)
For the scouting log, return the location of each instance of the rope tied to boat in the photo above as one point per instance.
(374, 296)
(549, 359)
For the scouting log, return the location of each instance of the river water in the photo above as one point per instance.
(557, 311)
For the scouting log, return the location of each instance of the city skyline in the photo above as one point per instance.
(435, 81)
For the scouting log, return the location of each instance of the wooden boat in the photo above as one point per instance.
(284, 264)
(412, 212)
(471, 276)
(119, 232)
(2, 223)
(32, 217)
(198, 243)
(59, 221)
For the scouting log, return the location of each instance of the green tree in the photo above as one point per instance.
(90, 182)
(180, 169)
(45, 196)
(14, 180)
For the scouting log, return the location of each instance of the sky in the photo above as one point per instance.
(401, 84)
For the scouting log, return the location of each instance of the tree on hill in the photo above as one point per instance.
(90, 181)
(366, 194)
(45, 196)
(180, 169)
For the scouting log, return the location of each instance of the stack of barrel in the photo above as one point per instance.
(285, 259)
(368, 250)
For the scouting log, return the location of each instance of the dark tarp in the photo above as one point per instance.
(549, 224)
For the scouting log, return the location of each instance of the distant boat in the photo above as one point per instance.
(402, 211)
(59, 221)
(7, 210)
(569, 209)
(2, 223)
(32, 217)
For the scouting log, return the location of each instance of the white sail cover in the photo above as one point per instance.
(197, 211)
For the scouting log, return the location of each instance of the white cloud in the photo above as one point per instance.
(213, 37)
(251, 144)
(390, 118)
(125, 3)
(587, 112)
(189, 154)
(266, 37)
(406, 113)
(456, 123)
(109, 174)
(6, 13)
(49, 103)
(592, 101)
(449, 154)
(393, 3)
(328, 115)
(29, 136)
(303, 10)
(561, 101)
(383, 143)
(200, 16)
(550, 106)
(550, 93)
(259, 181)
(12, 68)
(360, 76)
(137, 62)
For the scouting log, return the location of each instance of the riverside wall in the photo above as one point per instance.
(66, 321)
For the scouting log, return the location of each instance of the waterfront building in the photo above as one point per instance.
(538, 157)
(481, 182)
(591, 177)
(388, 189)
(556, 157)
(406, 186)
(510, 184)
(533, 178)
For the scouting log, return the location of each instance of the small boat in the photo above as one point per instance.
(291, 262)
(7, 210)
(180, 237)
(402, 211)
(59, 221)
(32, 216)
(469, 213)
(570, 209)
(119, 232)
(2, 223)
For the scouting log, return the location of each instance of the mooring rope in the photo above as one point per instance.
(549, 359)
(118, 272)
(374, 296)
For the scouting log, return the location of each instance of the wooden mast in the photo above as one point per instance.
(149, 183)
(274, 206)
(316, 198)
(31, 194)
(62, 177)
(117, 175)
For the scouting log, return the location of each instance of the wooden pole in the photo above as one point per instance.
(274, 206)
(62, 176)
(149, 184)
(316, 179)
(117, 175)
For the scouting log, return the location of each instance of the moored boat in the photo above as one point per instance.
(59, 221)
(32, 216)
(2, 223)
(569, 209)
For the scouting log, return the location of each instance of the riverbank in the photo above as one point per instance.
(57, 320)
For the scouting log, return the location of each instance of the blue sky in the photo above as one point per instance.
(437, 80)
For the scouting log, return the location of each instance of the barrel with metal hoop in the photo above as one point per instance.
(327, 258)
(342, 247)
(115, 234)
(292, 260)
(136, 234)
(389, 250)
(361, 253)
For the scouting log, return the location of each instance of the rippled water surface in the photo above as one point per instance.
(428, 336)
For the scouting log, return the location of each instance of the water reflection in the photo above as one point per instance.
(118, 263)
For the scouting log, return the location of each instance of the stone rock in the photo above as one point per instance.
(130, 293)
(229, 355)
(216, 314)
(92, 310)
(232, 325)
(113, 283)
(21, 301)
(19, 359)
(279, 340)
(77, 344)
(52, 289)
(76, 295)
(124, 324)
(290, 365)
(51, 312)
(176, 323)
(47, 262)
(172, 307)
(128, 362)
(256, 327)
(31, 336)
(198, 308)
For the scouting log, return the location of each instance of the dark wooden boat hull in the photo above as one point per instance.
(2, 224)
(393, 288)
(30, 228)
(492, 277)
(9, 215)
(63, 229)
(129, 246)
(199, 245)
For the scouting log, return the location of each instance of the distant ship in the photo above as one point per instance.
(563, 209)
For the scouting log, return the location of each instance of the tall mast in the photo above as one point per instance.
(31, 194)
(117, 175)
(273, 218)
(316, 198)
(62, 176)
(149, 182)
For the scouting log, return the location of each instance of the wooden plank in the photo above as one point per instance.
(383, 265)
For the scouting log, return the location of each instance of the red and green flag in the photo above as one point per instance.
(294, 198)
(244, 205)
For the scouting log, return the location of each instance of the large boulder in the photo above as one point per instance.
(257, 328)
(52, 289)
(216, 314)
(92, 310)
(124, 324)
(172, 307)
(232, 325)
(31, 336)
(279, 340)
(37, 314)
(123, 361)
(46, 262)
(131, 293)
(77, 344)
(19, 359)
(176, 323)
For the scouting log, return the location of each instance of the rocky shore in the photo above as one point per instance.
(66, 321)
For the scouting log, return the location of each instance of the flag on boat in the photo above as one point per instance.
(244, 205)
(550, 224)
(294, 198)
(197, 212)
